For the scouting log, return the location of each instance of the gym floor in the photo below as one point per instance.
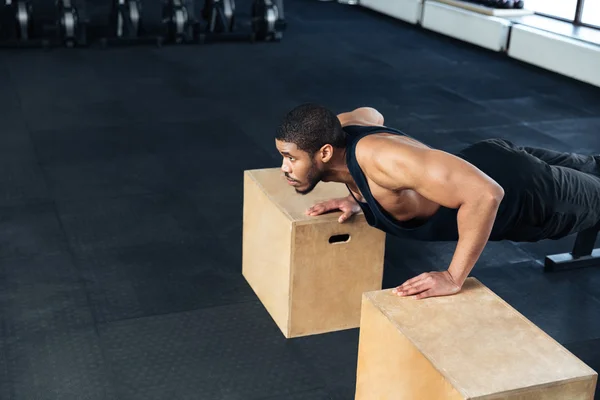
(121, 202)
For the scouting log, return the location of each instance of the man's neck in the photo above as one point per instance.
(338, 171)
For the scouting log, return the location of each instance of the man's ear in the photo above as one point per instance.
(326, 153)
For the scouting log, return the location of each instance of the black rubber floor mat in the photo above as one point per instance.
(520, 135)
(588, 280)
(581, 134)
(121, 176)
(334, 356)
(21, 182)
(535, 108)
(484, 86)
(15, 143)
(105, 223)
(467, 121)
(57, 365)
(73, 146)
(58, 90)
(233, 352)
(310, 395)
(30, 230)
(10, 107)
(435, 256)
(41, 294)
(5, 387)
(135, 282)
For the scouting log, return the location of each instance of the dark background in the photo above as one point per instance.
(121, 202)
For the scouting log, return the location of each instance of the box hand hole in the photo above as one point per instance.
(343, 238)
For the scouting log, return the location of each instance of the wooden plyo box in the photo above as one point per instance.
(307, 284)
(472, 345)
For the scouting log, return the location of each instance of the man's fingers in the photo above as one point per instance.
(313, 209)
(426, 285)
(320, 208)
(425, 294)
(316, 209)
(414, 280)
(345, 216)
(415, 289)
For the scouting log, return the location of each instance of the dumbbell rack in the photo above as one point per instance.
(126, 28)
(68, 25)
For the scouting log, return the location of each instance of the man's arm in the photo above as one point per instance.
(449, 181)
(362, 116)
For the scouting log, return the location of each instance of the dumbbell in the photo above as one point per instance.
(126, 18)
(16, 19)
(68, 21)
(178, 20)
(220, 15)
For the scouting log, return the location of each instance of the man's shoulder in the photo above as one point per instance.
(381, 146)
(385, 158)
(376, 154)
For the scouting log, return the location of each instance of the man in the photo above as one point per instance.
(491, 190)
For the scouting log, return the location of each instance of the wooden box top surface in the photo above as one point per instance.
(479, 342)
(273, 183)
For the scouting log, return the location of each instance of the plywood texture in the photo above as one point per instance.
(472, 345)
(307, 284)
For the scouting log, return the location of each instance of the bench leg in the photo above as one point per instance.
(583, 254)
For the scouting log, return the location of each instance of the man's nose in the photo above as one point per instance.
(284, 167)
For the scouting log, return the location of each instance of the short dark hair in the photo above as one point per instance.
(310, 127)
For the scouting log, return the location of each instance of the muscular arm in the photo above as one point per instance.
(361, 116)
(446, 180)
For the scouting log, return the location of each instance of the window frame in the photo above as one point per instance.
(576, 20)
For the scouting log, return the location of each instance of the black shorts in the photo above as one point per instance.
(546, 196)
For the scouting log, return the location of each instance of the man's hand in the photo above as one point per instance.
(347, 205)
(428, 284)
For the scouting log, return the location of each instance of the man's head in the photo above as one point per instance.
(306, 139)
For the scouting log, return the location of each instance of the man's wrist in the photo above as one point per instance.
(458, 276)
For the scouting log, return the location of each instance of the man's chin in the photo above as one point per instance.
(306, 190)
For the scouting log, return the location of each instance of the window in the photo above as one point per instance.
(563, 9)
(591, 13)
(577, 12)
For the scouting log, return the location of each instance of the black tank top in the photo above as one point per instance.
(442, 226)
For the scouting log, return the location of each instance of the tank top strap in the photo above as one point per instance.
(439, 227)
(357, 132)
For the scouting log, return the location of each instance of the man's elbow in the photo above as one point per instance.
(487, 196)
(494, 194)
(377, 117)
(371, 115)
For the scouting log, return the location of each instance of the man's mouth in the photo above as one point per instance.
(291, 181)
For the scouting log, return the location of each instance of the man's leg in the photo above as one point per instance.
(576, 204)
(543, 200)
(577, 210)
(580, 162)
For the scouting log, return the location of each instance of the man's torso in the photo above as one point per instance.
(402, 204)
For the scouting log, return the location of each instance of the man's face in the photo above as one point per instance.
(301, 170)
